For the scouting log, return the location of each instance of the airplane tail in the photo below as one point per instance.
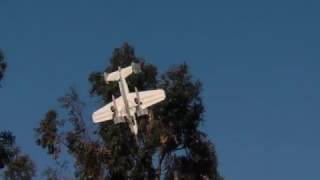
(125, 72)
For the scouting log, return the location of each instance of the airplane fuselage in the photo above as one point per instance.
(124, 91)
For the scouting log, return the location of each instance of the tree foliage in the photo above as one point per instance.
(170, 143)
(21, 167)
(14, 164)
(7, 148)
(3, 65)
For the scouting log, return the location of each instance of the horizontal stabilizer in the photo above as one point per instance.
(125, 72)
(136, 68)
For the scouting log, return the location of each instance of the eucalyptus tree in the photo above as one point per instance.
(170, 142)
(13, 163)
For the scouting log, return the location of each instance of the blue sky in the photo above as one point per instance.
(258, 61)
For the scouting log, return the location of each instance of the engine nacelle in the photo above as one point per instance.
(140, 112)
(118, 120)
(114, 108)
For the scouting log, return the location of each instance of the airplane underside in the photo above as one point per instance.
(129, 106)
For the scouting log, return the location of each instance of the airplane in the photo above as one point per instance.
(129, 105)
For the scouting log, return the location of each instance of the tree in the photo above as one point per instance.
(15, 164)
(6, 138)
(170, 144)
(21, 167)
(7, 149)
(3, 65)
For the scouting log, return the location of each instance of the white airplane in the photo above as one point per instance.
(129, 105)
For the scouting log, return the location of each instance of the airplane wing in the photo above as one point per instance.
(105, 113)
(149, 98)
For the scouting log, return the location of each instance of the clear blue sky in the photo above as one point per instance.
(258, 60)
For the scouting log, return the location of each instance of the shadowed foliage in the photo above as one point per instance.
(7, 148)
(15, 164)
(3, 65)
(21, 167)
(7, 140)
(170, 144)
